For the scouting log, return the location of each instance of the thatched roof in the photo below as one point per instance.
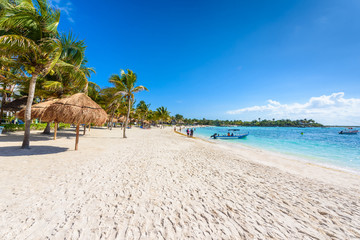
(16, 105)
(111, 119)
(76, 109)
(37, 109)
(122, 119)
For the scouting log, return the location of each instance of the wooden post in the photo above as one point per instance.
(84, 129)
(89, 126)
(55, 129)
(77, 136)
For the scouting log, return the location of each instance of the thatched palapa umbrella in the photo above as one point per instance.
(77, 109)
(37, 111)
(16, 105)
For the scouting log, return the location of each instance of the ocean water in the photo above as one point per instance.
(318, 145)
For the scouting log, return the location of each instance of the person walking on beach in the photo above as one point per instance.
(187, 132)
(191, 133)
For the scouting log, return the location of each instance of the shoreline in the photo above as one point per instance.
(284, 162)
(292, 156)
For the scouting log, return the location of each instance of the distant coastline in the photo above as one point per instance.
(253, 123)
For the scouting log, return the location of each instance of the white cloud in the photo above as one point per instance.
(326, 109)
(64, 7)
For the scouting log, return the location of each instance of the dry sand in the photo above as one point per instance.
(160, 185)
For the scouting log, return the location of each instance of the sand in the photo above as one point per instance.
(157, 184)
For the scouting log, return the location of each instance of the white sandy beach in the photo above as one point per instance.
(157, 184)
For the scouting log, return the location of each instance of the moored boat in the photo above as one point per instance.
(232, 136)
(349, 131)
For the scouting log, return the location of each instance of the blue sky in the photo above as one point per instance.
(227, 59)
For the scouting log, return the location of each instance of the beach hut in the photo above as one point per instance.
(76, 109)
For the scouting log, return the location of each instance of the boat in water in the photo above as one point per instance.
(229, 136)
(349, 131)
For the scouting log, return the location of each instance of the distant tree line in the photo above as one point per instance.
(255, 123)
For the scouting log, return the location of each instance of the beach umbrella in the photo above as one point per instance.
(123, 118)
(76, 109)
(37, 111)
(15, 105)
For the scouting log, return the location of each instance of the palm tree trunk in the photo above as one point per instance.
(26, 141)
(86, 89)
(127, 117)
(47, 129)
(111, 120)
(3, 101)
(55, 130)
(77, 137)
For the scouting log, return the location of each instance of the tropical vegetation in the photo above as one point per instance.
(31, 45)
(125, 88)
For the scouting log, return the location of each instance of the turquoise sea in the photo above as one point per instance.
(318, 145)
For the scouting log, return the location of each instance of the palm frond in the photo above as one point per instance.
(139, 89)
(17, 45)
(52, 85)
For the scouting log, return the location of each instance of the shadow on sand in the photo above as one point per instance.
(11, 151)
(10, 137)
(38, 136)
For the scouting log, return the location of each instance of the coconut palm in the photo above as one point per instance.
(30, 29)
(163, 114)
(70, 80)
(142, 110)
(125, 87)
(178, 118)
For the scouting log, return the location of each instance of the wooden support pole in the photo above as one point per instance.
(84, 129)
(89, 126)
(77, 136)
(55, 130)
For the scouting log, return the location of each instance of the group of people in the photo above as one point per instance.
(190, 132)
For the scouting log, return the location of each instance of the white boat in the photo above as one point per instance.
(232, 136)
(349, 131)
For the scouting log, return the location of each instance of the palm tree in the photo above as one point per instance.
(30, 40)
(163, 114)
(179, 118)
(71, 78)
(125, 87)
(142, 109)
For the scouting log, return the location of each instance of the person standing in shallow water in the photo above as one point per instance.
(191, 132)
(187, 132)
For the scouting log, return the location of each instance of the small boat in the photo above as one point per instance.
(233, 136)
(234, 129)
(349, 131)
